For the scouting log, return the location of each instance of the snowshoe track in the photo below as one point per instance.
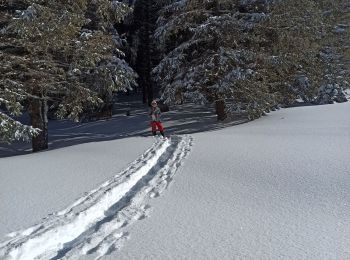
(96, 224)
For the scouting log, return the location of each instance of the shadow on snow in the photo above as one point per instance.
(184, 119)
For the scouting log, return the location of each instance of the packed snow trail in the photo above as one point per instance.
(95, 224)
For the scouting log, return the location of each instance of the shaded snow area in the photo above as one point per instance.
(274, 188)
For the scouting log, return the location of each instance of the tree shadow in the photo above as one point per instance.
(190, 119)
(184, 119)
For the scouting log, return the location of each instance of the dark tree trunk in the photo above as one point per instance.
(220, 110)
(150, 88)
(143, 55)
(144, 91)
(38, 116)
(145, 16)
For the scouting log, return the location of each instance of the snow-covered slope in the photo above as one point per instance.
(274, 188)
(35, 185)
(94, 223)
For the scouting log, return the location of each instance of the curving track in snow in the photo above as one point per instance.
(96, 223)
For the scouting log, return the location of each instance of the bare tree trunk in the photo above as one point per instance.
(220, 110)
(38, 116)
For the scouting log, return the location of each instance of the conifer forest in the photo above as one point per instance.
(70, 59)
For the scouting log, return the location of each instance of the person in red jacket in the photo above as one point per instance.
(156, 122)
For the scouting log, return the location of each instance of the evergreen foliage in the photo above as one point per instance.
(64, 52)
(245, 56)
(336, 51)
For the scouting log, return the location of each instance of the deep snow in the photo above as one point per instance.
(35, 185)
(274, 188)
(95, 223)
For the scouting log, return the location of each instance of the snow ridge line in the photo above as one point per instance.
(95, 223)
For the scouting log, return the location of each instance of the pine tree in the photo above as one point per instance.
(243, 56)
(65, 52)
(335, 52)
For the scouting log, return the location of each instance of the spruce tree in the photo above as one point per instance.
(335, 51)
(242, 56)
(65, 52)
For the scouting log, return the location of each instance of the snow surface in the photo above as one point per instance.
(274, 188)
(35, 185)
(94, 223)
